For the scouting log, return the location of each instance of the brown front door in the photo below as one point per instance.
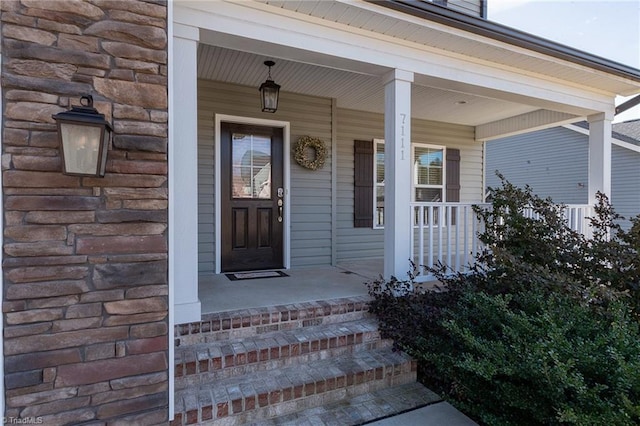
(252, 194)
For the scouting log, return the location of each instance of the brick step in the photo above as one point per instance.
(360, 409)
(199, 363)
(267, 394)
(250, 322)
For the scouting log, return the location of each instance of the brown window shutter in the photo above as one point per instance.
(453, 175)
(453, 180)
(363, 184)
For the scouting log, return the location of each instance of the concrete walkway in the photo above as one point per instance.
(438, 414)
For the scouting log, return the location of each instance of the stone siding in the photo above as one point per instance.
(85, 259)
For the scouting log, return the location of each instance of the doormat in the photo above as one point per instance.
(237, 276)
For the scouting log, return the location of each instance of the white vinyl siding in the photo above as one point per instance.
(310, 190)
(363, 243)
(552, 161)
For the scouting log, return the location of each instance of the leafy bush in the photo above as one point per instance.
(543, 330)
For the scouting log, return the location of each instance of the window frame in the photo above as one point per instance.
(414, 185)
(376, 185)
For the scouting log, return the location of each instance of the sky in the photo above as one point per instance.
(606, 28)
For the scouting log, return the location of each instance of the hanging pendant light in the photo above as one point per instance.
(269, 92)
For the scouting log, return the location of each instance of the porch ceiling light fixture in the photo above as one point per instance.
(269, 92)
(84, 139)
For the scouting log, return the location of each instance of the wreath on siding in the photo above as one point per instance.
(307, 145)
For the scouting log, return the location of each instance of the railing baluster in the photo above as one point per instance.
(447, 220)
(440, 222)
(421, 235)
(430, 223)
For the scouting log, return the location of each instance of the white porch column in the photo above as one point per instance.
(397, 165)
(599, 155)
(183, 175)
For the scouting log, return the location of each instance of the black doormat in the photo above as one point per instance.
(255, 275)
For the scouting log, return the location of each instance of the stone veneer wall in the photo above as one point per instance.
(85, 259)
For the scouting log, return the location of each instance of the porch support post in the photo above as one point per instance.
(183, 176)
(397, 164)
(599, 155)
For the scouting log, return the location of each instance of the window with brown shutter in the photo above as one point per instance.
(365, 188)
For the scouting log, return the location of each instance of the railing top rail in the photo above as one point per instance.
(455, 203)
(450, 203)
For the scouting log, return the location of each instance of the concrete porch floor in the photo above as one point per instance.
(218, 293)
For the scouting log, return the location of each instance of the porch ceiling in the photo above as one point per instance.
(358, 91)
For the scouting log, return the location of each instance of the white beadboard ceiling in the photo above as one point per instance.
(351, 90)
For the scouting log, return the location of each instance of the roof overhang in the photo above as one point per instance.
(467, 70)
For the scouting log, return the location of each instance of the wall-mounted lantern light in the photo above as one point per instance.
(269, 92)
(84, 139)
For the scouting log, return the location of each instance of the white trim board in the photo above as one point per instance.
(286, 126)
(622, 144)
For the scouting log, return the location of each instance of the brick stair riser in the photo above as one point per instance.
(245, 323)
(203, 359)
(303, 403)
(228, 333)
(299, 397)
(216, 369)
(359, 409)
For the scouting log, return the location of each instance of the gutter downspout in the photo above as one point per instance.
(627, 105)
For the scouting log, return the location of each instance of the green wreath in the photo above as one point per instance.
(301, 151)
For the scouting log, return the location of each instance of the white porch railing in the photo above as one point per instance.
(448, 233)
(576, 215)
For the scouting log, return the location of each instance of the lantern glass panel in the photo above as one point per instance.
(270, 97)
(81, 145)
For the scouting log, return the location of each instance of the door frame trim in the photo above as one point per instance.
(286, 169)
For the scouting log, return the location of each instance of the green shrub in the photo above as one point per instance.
(543, 330)
(558, 363)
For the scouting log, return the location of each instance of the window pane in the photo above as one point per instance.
(379, 212)
(251, 166)
(428, 166)
(379, 163)
(428, 194)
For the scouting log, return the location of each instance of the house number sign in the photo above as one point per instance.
(403, 118)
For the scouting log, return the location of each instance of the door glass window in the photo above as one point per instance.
(251, 166)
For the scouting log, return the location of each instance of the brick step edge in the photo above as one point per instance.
(201, 379)
(361, 409)
(278, 392)
(245, 322)
(241, 354)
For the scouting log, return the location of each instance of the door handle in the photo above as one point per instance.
(280, 209)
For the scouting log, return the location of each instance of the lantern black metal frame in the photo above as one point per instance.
(85, 116)
(269, 92)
